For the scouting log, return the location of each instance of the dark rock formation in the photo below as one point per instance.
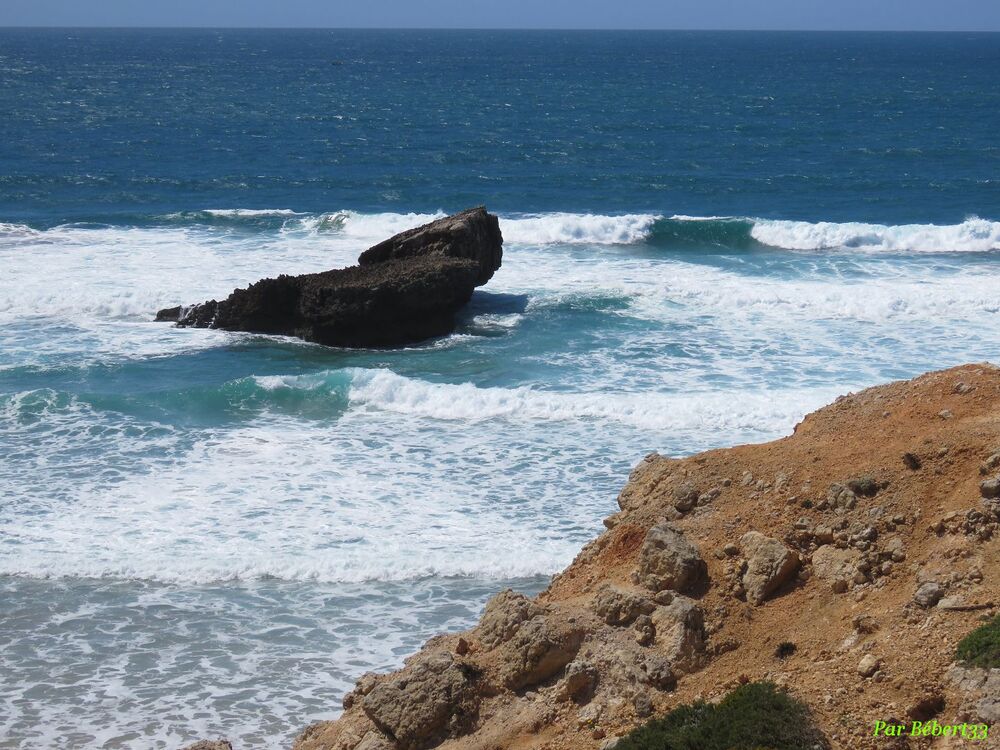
(471, 235)
(403, 290)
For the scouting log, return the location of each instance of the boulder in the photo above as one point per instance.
(403, 290)
(863, 486)
(685, 496)
(503, 616)
(667, 560)
(211, 745)
(980, 689)
(470, 235)
(928, 594)
(644, 629)
(680, 634)
(539, 650)
(433, 697)
(868, 665)
(656, 671)
(990, 488)
(834, 564)
(579, 681)
(769, 565)
(987, 708)
(840, 498)
(619, 607)
(375, 741)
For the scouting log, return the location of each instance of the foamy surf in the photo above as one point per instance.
(681, 412)
(577, 229)
(974, 235)
(971, 236)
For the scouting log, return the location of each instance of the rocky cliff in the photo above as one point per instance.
(844, 562)
(867, 540)
(403, 290)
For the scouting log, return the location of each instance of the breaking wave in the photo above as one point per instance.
(974, 235)
(384, 390)
(971, 236)
(734, 233)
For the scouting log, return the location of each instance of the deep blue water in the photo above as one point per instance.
(707, 236)
(889, 128)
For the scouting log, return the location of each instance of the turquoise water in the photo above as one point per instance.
(707, 236)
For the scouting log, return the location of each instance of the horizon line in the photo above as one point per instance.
(492, 28)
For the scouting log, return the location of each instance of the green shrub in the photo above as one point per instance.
(981, 647)
(756, 716)
(785, 649)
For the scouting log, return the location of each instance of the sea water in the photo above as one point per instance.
(707, 235)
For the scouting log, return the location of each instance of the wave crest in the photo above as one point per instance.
(971, 236)
(384, 390)
(584, 229)
(678, 232)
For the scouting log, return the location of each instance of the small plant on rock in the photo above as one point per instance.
(785, 649)
(981, 647)
(755, 716)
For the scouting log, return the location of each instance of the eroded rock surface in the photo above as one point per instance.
(769, 565)
(668, 560)
(503, 616)
(618, 606)
(833, 564)
(539, 650)
(435, 696)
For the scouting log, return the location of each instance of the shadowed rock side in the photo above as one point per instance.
(404, 290)
(844, 562)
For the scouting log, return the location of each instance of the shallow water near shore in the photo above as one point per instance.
(206, 534)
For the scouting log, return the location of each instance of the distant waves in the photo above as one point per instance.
(973, 235)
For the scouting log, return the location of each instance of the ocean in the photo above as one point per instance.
(707, 235)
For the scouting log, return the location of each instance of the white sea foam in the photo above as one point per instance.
(250, 212)
(250, 662)
(533, 229)
(971, 236)
(373, 478)
(279, 498)
(674, 412)
(684, 217)
(577, 229)
(13, 231)
(361, 227)
(376, 493)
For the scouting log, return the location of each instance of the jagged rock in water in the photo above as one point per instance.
(403, 290)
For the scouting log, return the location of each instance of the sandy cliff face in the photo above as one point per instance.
(869, 539)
